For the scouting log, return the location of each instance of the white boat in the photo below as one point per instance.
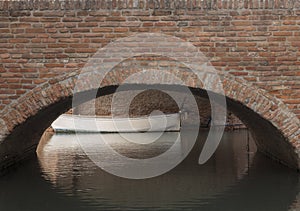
(92, 124)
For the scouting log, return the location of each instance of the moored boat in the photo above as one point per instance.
(94, 124)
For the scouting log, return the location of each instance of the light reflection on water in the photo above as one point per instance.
(64, 178)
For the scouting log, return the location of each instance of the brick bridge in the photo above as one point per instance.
(253, 45)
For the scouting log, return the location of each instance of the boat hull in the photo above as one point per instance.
(90, 124)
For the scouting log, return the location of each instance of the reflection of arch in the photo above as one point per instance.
(255, 190)
(259, 189)
(188, 180)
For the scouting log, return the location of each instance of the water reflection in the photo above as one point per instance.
(231, 180)
(66, 165)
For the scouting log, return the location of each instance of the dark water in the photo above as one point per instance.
(62, 177)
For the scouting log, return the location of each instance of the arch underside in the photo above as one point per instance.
(24, 138)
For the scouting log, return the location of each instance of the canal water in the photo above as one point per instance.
(62, 177)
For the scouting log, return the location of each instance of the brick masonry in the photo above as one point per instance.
(146, 102)
(253, 44)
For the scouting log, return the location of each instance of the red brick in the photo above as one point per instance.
(99, 13)
(70, 40)
(54, 65)
(19, 40)
(102, 29)
(86, 50)
(283, 33)
(52, 19)
(118, 19)
(29, 19)
(35, 30)
(241, 23)
(130, 24)
(199, 23)
(72, 19)
(163, 24)
(90, 24)
(54, 45)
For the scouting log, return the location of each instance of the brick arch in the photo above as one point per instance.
(262, 113)
(32, 113)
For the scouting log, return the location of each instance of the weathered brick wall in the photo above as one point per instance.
(148, 101)
(255, 40)
(144, 102)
